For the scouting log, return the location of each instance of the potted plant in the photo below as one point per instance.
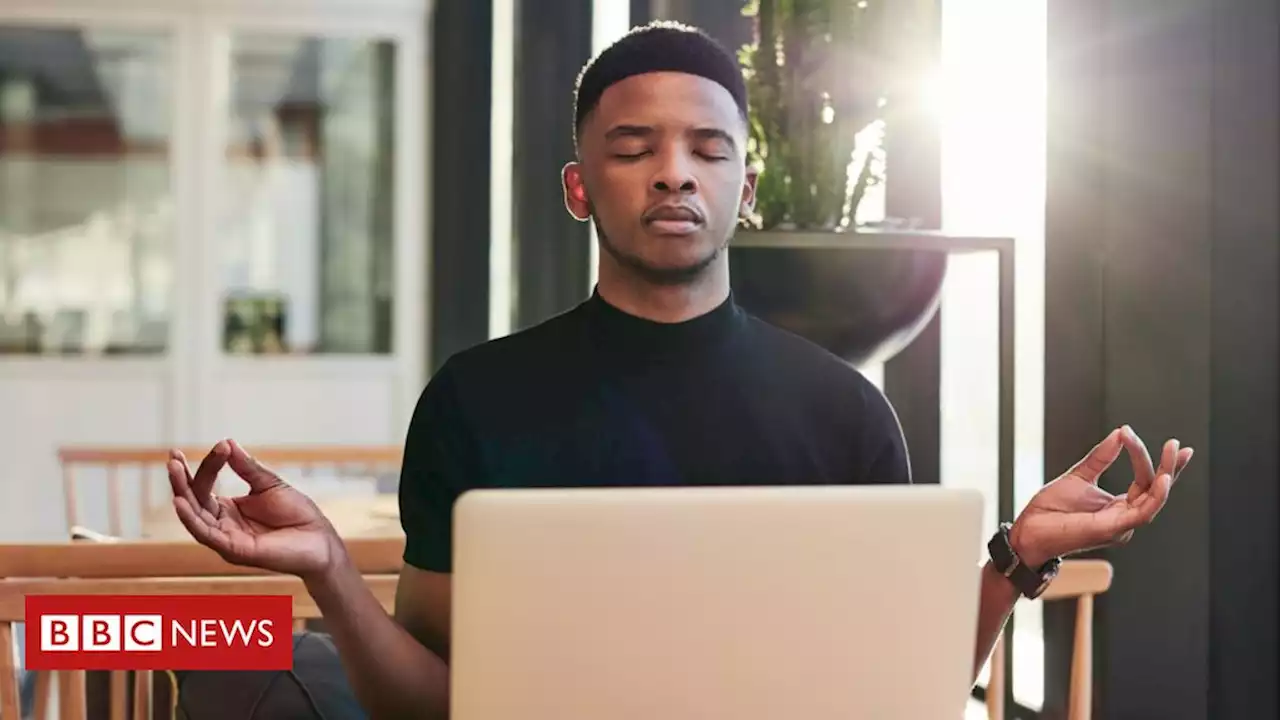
(819, 75)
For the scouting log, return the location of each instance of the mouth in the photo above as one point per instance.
(673, 220)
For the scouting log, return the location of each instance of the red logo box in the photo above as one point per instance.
(159, 632)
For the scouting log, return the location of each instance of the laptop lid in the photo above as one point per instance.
(749, 603)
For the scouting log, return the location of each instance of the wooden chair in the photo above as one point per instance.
(297, 463)
(1081, 580)
(147, 568)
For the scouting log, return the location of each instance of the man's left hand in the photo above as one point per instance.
(1072, 514)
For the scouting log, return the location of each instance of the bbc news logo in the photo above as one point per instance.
(159, 632)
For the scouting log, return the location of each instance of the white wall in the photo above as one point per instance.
(39, 411)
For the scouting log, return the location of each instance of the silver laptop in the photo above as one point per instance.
(759, 603)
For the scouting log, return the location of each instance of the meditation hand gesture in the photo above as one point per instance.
(274, 527)
(1072, 514)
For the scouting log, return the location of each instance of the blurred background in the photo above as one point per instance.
(274, 221)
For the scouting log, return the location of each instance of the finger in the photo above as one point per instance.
(1184, 457)
(1140, 458)
(1169, 457)
(206, 533)
(1144, 509)
(179, 476)
(180, 482)
(207, 473)
(206, 510)
(255, 473)
(1091, 466)
(181, 468)
(1156, 499)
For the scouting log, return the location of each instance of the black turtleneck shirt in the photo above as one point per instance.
(598, 397)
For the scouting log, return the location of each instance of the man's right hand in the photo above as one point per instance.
(277, 528)
(274, 526)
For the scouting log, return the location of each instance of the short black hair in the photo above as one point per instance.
(662, 45)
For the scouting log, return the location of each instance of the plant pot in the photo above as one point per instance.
(864, 296)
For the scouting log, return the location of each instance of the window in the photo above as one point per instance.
(86, 199)
(305, 222)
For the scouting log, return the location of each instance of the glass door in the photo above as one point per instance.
(313, 188)
(305, 187)
(87, 199)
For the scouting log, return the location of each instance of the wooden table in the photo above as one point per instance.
(352, 516)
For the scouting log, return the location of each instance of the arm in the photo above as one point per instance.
(1072, 514)
(394, 672)
(399, 665)
(277, 528)
(994, 607)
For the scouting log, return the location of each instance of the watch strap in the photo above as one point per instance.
(1031, 582)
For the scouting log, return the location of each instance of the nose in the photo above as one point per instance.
(674, 175)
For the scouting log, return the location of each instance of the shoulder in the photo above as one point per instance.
(497, 371)
(813, 367)
(843, 395)
(528, 351)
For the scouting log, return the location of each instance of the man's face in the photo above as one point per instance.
(663, 174)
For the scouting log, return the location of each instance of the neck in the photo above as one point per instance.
(664, 303)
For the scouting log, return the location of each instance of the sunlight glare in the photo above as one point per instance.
(990, 97)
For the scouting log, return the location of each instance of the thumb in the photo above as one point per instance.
(1091, 466)
(253, 472)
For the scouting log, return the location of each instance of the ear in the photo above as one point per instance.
(748, 202)
(575, 192)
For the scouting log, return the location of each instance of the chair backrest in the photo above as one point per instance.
(147, 465)
(150, 568)
(1080, 580)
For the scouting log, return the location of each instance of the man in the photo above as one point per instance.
(658, 378)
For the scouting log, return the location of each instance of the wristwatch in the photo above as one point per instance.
(1031, 582)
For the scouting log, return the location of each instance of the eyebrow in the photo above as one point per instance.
(618, 131)
(715, 134)
(704, 133)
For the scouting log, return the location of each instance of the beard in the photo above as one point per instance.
(669, 276)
